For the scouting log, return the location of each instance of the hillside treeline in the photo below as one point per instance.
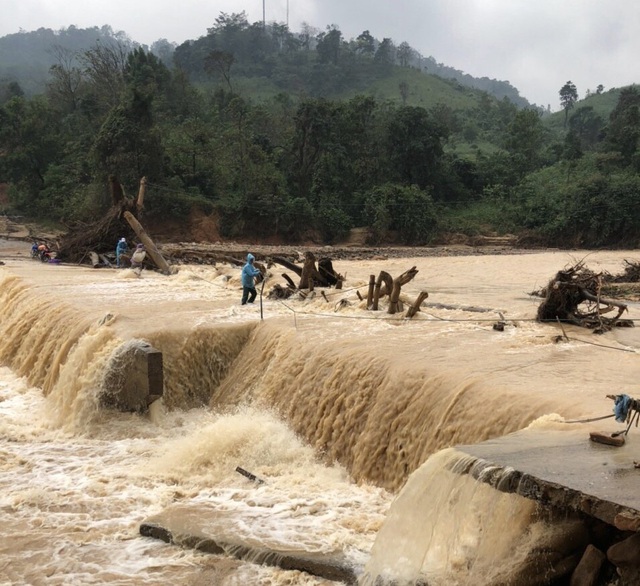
(294, 166)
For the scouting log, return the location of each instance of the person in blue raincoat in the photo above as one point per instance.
(121, 248)
(249, 272)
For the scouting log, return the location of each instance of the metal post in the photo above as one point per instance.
(264, 278)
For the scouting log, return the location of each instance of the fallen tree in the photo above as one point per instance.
(99, 236)
(85, 242)
(573, 296)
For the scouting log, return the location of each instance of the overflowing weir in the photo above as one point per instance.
(378, 401)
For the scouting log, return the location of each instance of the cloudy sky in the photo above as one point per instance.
(537, 45)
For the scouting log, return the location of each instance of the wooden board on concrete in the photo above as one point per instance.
(567, 470)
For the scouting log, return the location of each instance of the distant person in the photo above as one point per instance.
(249, 272)
(137, 258)
(121, 248)
(44, 253)
(34, 250)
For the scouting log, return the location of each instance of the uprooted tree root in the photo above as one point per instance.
(630, 274)
(101, 235)
(573, 296)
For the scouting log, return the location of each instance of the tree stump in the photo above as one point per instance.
(398, 282)
(385, 278)
(415, 307)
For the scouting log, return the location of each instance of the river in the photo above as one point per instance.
(334, 406)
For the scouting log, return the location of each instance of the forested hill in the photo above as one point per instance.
(281, 61)
(297, 137)
(26, 57)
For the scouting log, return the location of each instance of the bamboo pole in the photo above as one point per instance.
(149, 245)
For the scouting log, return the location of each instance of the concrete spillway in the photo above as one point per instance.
(566, 471)
(202, 527)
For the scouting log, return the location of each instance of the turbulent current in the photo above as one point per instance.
(347, 415)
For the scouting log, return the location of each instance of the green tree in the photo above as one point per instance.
(191, 148)
(104, 68)
(311, 137)
(146, 74)
(328, 47)
(365, 44)
(587, 127)
(623, 131)
(385, 53)
(406, 210)
(414, 146)
(525, 139)
(10, 90)
(404, 54)
(31, 141)
(66, 86)
(220, 63)
(568, 98)
(128, 144)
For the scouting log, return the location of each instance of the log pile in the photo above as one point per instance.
(573, 296)
(324, 275)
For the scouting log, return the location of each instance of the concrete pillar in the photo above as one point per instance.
(134, 377)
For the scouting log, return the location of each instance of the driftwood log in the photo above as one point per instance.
(398, 282)
(149, 244)
(385, 278)
(386, 284)
(415, 307)
(573, 296)
(311, 275)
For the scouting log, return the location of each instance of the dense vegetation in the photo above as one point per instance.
(292, 136)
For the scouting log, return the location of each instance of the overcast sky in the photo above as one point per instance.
(537, 45)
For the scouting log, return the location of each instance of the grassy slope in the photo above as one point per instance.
(602, 105)
(424, 90)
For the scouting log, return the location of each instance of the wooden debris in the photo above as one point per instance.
(499, 325)
(573, 296)
(149, 245)
(323, 275)
(280, 292)
(385, 278)
(398, 282)
(249, 475)
(289, 281)
(609, 439)
(415, 307)
(372, 285)
(100, 237)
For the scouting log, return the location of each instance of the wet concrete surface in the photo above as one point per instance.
(203, 528)
(565, 470)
